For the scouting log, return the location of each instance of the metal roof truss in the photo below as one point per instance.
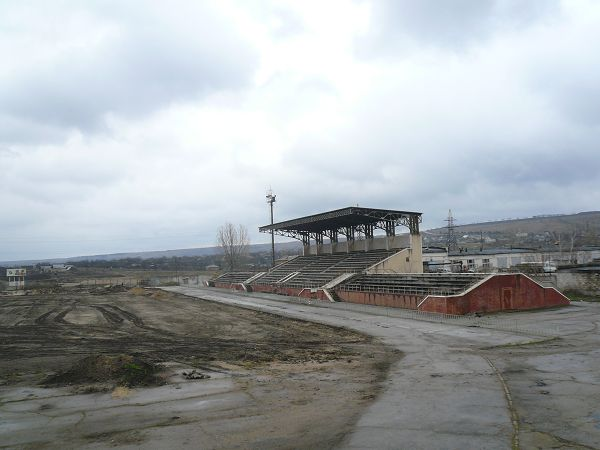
(347, 222)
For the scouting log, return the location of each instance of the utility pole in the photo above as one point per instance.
(451, 242)
(270, 200)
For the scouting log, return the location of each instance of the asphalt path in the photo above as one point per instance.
(443, 394)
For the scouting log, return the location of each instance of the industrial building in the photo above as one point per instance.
(437, 259)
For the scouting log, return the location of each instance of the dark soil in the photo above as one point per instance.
(121, 370)
(66, 333)
(254, 380)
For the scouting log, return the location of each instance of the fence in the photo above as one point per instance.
(195, 280)
(406, 290)
(587, 283)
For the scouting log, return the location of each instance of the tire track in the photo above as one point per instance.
(514, 416)
(60, 317)
(110, 316)
(129, 316)
(42, 319)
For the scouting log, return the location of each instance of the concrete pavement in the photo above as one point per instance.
(442, 395)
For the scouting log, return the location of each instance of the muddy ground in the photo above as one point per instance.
(267, 381)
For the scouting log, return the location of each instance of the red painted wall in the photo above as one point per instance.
(234, 286)
(373, 298)
(292, 292)
(498, 293)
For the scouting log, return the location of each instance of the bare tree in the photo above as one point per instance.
(574, 233)
(234, 242)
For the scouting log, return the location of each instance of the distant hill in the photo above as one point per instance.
(560, 223)
(587, 223)
(201, 251)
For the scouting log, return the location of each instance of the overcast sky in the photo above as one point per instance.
(129, 126)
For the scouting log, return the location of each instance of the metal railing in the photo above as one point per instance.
(405, 290)
(183, 280)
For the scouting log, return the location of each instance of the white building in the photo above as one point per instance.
(487, 260)
(55, 268)
(16, 278)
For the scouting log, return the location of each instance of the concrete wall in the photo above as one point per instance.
(359, 245)
(313, 293)
(397, 263)
(409, 260)
(497, 293)
(15, 283)
(416, 253)
(585, 283)
(391, 242)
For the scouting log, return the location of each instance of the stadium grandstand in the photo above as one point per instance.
(355, 255)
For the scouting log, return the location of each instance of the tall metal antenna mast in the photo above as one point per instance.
(270, 200)
(451, 235)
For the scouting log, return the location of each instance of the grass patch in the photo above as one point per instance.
(522, 344)
(576, 296)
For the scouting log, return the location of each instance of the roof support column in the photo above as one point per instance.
(333, 235)
(333, 238)
(369, 229)
(319, 243)
(416, 244)
(390, 234)
(305, 243)
(413, 224)
(390, 228)
(350, 232)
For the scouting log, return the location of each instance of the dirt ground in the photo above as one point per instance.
(254, 380)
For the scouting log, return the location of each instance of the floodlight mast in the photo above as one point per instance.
(270, 200)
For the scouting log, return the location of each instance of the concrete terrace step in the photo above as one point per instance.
(316, 271)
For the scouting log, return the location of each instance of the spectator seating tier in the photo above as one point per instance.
(233, 277)
(419, 284)
(317, 270)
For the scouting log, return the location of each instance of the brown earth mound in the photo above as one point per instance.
(121, 370)
(138, 291)
(159, 295)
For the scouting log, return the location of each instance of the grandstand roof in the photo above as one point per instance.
(352, 216)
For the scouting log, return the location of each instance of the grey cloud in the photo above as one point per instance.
(150, 63)
(508, 131)
(572, 86)
(289, 23)
(481, 164)
(25, 131)
(445, 24)
(558, 166)
(7, 152)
